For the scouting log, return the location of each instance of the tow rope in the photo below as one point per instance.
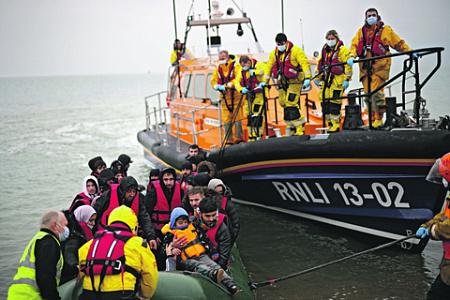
(254, 285)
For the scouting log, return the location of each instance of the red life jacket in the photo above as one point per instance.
(289, 70)
(332, 59)
(225, 79)
(161, 212)
(114, 202)
(374, 44)
(77, 202)
(245, 81)
(87, 231)
(106, 255)
(213, 231)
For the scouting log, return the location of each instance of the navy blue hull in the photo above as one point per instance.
(368, 181)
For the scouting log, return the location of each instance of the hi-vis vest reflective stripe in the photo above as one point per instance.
(24, 284)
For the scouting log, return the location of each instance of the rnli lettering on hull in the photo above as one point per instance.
(389, 195)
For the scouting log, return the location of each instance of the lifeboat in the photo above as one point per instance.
(368, 180)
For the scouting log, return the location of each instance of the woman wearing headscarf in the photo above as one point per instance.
(81, 222)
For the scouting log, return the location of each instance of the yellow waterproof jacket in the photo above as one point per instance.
(138, 256)
(389, 38)
(226, 69)
(298, 58)
(187, 55)
(343, 56)
(258, 71)
(439, 226)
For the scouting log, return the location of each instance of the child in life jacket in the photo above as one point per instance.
(193, 255)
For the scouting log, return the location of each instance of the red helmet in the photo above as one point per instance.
(440, 171)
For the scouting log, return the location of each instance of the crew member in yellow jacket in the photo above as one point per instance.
(179, 52)
(374, 39)
(112, 262)
(332, 80)
(247, 82)
(290, 67)
(223, 80)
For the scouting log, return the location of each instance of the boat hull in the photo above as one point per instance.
(367, 181)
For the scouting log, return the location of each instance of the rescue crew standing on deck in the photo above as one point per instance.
(374, 39)
(117, 262)
(247, 82)
(290, 67)
(179, 52)
(439, 229)
(222, 80)
(41, 264)
(332, 80)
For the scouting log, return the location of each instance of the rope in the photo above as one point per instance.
(254, 286)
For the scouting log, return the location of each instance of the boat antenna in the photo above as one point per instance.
(282, 16)
(207, 31)
(301, 33)
(175, 19)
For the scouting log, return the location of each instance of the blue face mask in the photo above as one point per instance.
(371, 20)
(64, 235)
(245, 68)
(282, 48)
(90, 226)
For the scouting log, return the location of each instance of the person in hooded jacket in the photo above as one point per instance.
(126, 193)
(374, 39)
(223, 80)
(137, 269)
(92, 162)
(91, 190)
(81, 223)
(125, 161)
(332, 80)
(186, 170)
(161, 199)
(206, 167)
(226, 206)
(105, 179)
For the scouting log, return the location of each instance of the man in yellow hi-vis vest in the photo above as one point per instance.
(42, 261)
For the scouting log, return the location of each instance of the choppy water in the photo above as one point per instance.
(50, 128)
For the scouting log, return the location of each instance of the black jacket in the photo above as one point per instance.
(70, 248)
(47, 252)
(223, 240)
(102, 204)
(233, 220)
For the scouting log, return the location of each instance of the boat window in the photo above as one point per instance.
(199, 86)
(211, 93)
(188, 86)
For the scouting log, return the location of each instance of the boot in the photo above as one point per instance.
(216, 275)
(377, 123)
(300, 129)
(335, 125)
(233, 288)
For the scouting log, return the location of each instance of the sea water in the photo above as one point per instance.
(51, 127)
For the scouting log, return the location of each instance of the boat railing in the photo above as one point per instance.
(156, 112)
(191, 114)
(408, 64)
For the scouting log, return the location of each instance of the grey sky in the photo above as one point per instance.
(61, 37)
